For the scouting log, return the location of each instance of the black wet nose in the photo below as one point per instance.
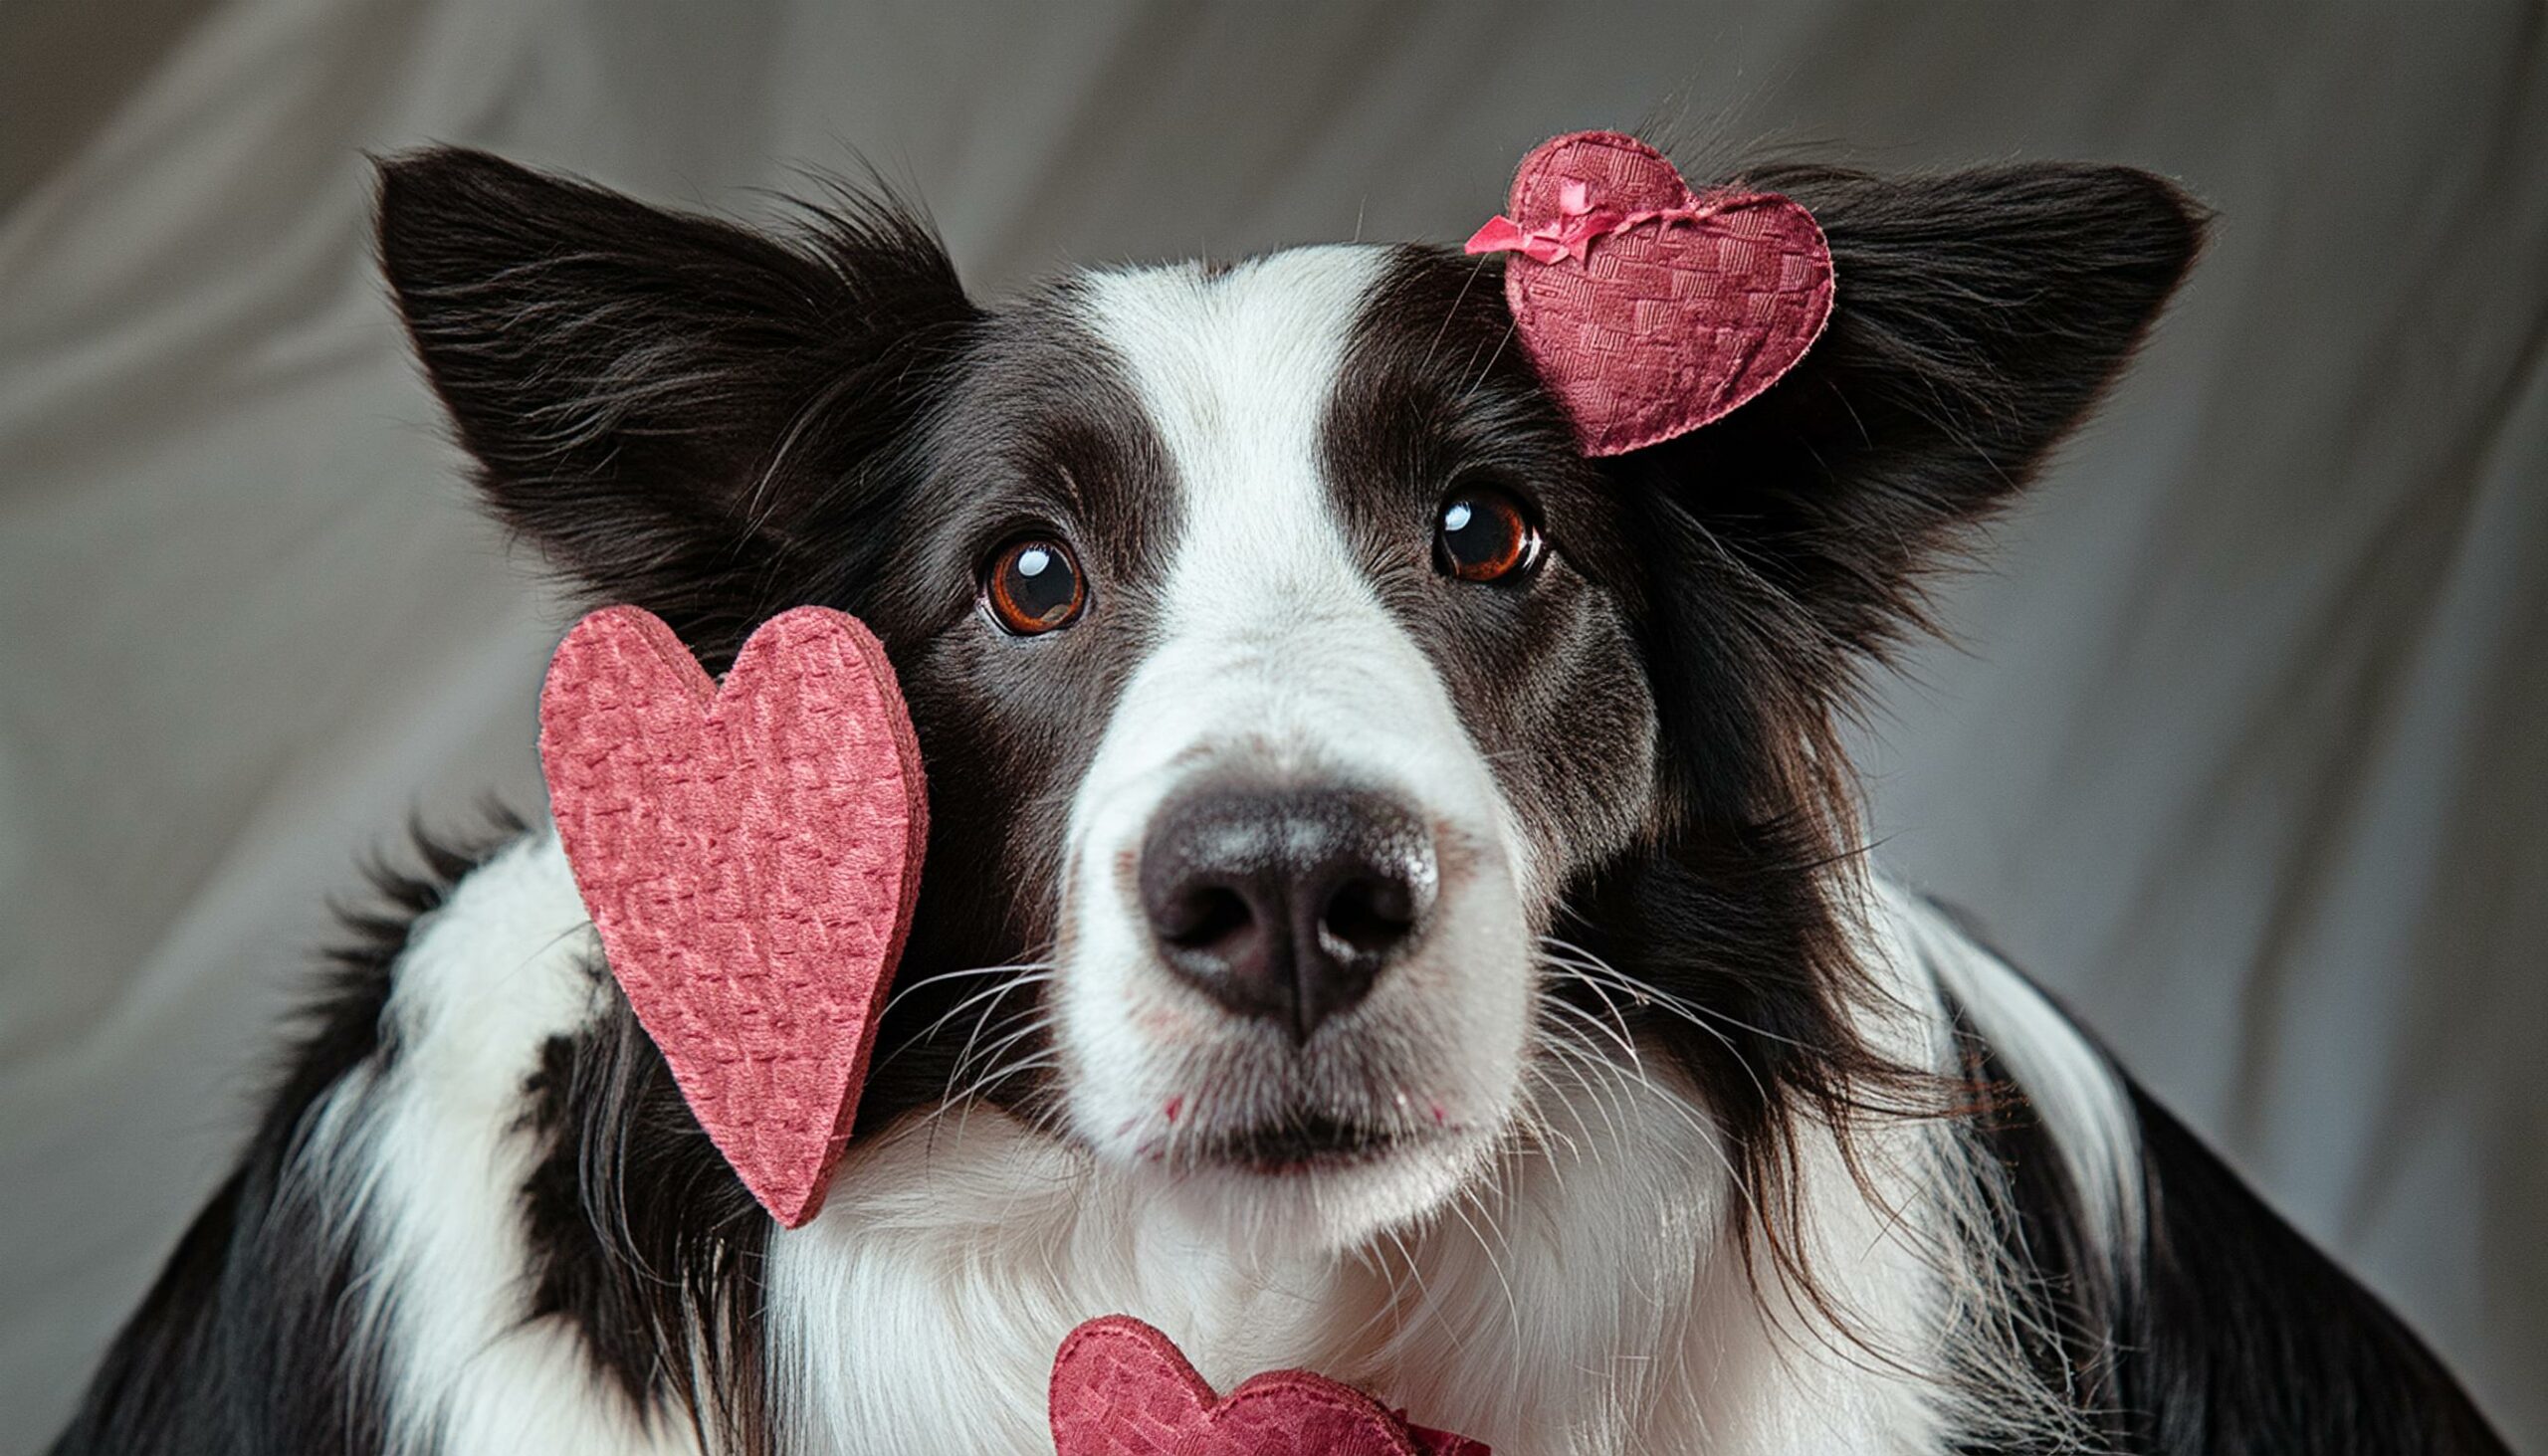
(1285, 903)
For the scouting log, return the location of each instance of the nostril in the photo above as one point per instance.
(1203, 916)
(1368, 916)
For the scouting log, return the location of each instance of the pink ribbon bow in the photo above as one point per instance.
(1570, 232)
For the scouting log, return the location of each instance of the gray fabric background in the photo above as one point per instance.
(2241, 749)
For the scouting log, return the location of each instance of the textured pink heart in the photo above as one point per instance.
(1123, 1388)
(749, 855)
(1648, 310)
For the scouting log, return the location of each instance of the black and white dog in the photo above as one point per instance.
(1393, 907)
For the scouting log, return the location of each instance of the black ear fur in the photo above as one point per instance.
(670, 405)
(1978, 316)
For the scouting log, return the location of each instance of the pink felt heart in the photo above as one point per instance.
(749, 855)
(1648, 310)
(1123, 1388)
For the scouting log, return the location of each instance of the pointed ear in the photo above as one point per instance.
(1977, 316)
(673, 407)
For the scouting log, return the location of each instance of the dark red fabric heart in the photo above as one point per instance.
(1122, 1388)
(1648, 310)
(749, 855)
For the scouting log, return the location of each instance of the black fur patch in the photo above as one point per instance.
(642, 1238)
(1978, 314)
(252, 1341)
(2246, 1341)
(1041, 435)
(1434, 396)
(2227, 1333)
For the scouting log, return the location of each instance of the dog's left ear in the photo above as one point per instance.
(683, 414)
(1978, 316)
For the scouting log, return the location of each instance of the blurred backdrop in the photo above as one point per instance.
(2241, 749)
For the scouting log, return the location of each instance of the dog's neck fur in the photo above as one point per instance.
(1593, 1298)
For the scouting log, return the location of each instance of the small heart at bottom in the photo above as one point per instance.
(1122, 1388)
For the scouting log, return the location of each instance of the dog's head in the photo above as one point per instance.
(1317, 739)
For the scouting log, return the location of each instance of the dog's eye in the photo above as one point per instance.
(1484, 534)
(1033, 585)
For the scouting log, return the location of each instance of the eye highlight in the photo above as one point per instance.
(1033, 585)
(1484, 534)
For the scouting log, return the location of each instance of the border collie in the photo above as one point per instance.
(1393, 906)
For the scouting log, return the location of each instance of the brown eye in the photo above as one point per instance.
(1483, 535)
(1033, 585)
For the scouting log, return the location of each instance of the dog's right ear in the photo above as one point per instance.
(672, 406)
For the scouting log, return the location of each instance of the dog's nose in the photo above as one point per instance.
(1285, 903)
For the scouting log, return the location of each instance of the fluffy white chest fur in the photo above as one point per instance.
(1588, 1298)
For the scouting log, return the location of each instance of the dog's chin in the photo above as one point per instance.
(1310, 1186)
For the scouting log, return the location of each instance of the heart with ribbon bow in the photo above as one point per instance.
(1648, 309)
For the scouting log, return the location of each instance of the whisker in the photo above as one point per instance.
(1617, 1034)
(980, 1023)
(1581, 1059)
(1593, 973)
(910, 987)
(992, 1052)
(993, 1078)
(1578, 959)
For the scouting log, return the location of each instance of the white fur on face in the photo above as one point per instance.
(1274, 656)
